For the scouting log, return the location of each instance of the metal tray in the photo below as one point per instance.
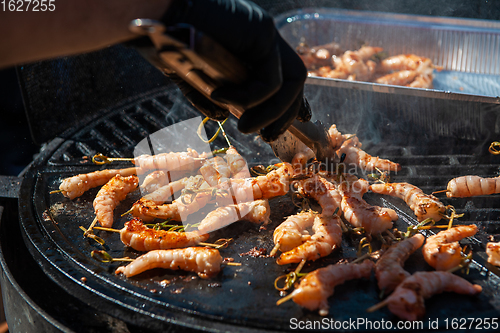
(468, 50)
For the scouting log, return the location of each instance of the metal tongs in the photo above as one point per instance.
(205, 65)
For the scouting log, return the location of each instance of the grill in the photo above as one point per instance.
(448, 139)
(50, 227)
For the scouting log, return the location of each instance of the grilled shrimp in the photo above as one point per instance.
(355, 155)
(469, 186)
(336, 138)
(403, 62)
(257, 211)
(315, 289)
(292, 232)
(493, 252)
(73, 187)
(189, 160)
(110, 195)
(442, 251)
(359, 213)
(215, 171)
(164, 194)
(327, 237)
(141, 238)
(299, 160)
(275, 183)
(324, 192)
(423, 205)
(237, 164)
(408, 300)
(389, 268)
(422, 81)
(357, 64)
(156, 179)
(178, 210)
(400, 78)
(204, 261)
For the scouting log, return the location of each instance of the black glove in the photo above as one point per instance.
(272, 96)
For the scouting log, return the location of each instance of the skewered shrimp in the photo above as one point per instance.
(469, 186)
(206, 262)
(271, 185)
(318, 56)
(257, 211)
(159, 178)
(389, 268)
(422, 81)
(215, 171)
(141, 238)
(336, 138)
(423, 205)
(315, 289)
(442, 251)
(408, 300)
(327, 237)
(355, 155)
(237, 164)
(493, 252)
(403, 62)
(299, 160)
(178, 210)
(324, 192)
(75, 186)
(400, 78)
(110, 195)
(292, 232)
(189, 160)
(357, 64)
(359, 213)
(164, 194)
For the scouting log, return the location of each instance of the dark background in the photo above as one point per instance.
(61, 92)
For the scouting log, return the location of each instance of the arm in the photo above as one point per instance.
(73, 27)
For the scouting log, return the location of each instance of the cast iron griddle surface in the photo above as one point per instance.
(239, 298)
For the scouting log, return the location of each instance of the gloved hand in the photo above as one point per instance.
(272, 96)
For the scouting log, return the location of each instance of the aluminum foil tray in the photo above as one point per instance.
(468, 50)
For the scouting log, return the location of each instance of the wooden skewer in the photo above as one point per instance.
(286, 298)
(275, 249)
(92, 225)
(378, 306)
(442, 191)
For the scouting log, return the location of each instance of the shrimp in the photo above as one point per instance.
(407, 301)
(355, 155)
(299, 160)
(359, 213)
(292, 232)
(141, 238)
(315, 289)
(110, 195)
(323, 191)
(237, 164)
(336, 138)
(400, 78)
(493, 252)
(423, 205)
(159, 178)
(73, 187)
(422, 81)
(403, 62)
(189, 160)
(178, 210)
(206, 262)
(389, 268)
(469, 186)
(357, 64)
(215, 171)
(327, 237)
(164, 194)
(273, 184)
(320, 55)
(442, 251)
(257, 211)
